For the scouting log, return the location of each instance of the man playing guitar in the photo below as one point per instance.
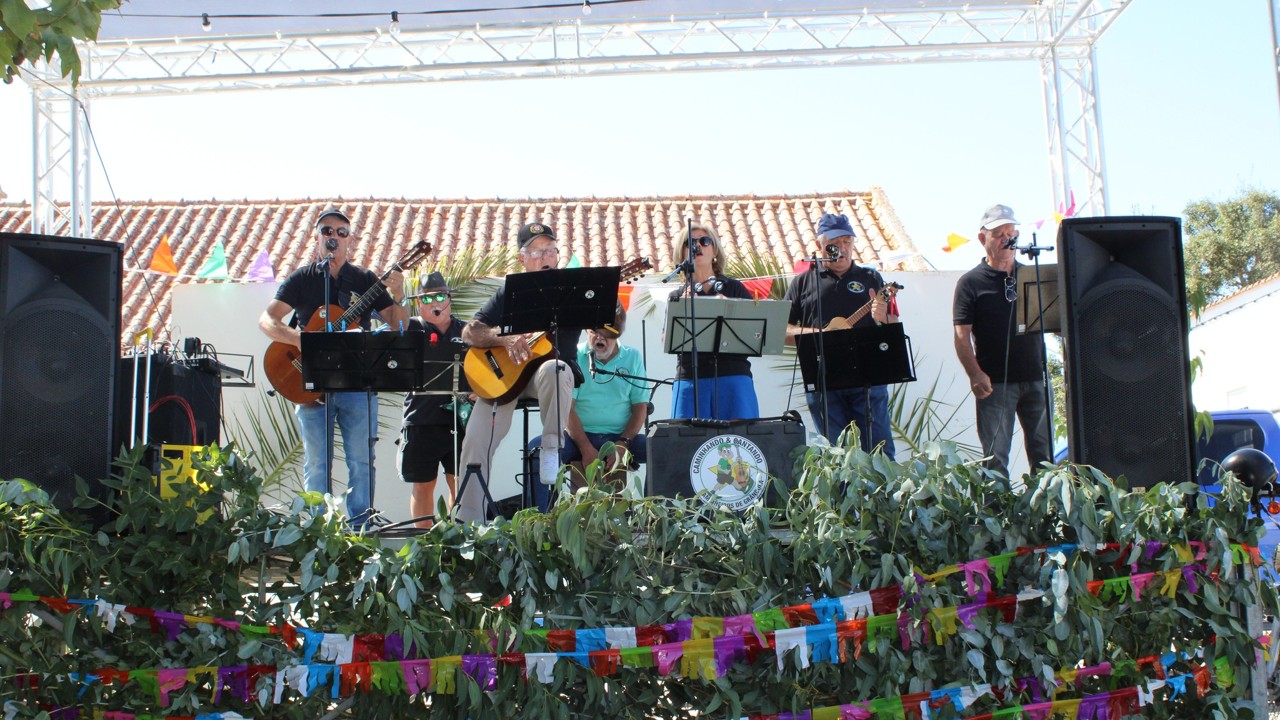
(334, 281)
(552, 383)
(848, 291)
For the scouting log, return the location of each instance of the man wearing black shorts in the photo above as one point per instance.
(431, 438)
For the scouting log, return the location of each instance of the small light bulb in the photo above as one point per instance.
(586, 7)
(204, 22)
(395, 22)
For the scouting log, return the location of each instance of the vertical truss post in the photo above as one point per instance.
(61, 203)
(1275, 39)
(1074, 128)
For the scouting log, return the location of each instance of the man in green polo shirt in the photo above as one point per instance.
(607, 407)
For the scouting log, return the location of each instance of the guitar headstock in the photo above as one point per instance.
(890, 289)
(634, 269)
(416, 254)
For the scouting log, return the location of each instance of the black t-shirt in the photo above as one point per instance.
(565, 340)
(712, 365)
(981, 301)
(842, 296)
(429, 409)
(304, 290)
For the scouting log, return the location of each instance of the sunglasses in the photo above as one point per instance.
(703, 241)
(433, 297)
(1010, 289)
(327, 231)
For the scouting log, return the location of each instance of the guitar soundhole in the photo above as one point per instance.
(493, 364)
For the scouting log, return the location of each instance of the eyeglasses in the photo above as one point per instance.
(537, 254)
(326, 231)
(433, 297)
(1010, 289)
(703, 241)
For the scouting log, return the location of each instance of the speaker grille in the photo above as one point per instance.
(56, 394)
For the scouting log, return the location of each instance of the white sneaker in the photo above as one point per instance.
(548, 466)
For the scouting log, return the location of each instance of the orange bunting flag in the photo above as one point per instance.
(162, 261)
(954, 241)
(624, 296)
(759, 287)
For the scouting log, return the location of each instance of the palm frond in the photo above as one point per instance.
(928, 419)
(270, 437)
(748, 267)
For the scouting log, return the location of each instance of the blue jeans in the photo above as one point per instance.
(850, 405)
(995, 423)
(352, 411)
(569, 452)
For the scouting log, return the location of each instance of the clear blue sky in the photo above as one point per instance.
(1188, 96)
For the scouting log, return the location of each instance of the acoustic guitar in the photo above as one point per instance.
(494, 376)
(283, 361)
(844, 323)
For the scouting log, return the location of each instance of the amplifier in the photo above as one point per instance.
(186, 402)
(731, 463)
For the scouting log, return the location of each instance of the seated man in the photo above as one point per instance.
(606, 408)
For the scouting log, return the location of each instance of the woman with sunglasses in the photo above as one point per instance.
(725, 388)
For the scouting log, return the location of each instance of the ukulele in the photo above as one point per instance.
(283, 361)
(844, 323)
(494, 376)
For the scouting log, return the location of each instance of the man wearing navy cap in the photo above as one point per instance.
(552, 383)
(846, 288)
(1006, 370)
(336, 281)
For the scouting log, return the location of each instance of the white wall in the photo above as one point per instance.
(1238, 349)
(226, 314)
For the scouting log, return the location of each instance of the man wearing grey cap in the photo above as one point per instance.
(333, 280)
(1006, 370)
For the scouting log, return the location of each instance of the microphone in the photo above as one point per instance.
(591, 361)
(1011, 243)
(331, 243)
(833, 251)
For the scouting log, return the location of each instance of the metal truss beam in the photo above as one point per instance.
(1047, 32)
(1275, 38)
(61, 202)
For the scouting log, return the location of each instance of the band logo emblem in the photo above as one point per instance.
(856, 287)
(731, 469)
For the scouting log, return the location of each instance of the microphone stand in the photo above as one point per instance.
(331, 244)
(816, 266)
(1032, 250)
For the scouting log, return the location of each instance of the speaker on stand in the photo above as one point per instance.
(59, 348)
(1128, 371)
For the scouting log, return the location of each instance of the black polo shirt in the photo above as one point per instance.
(981, 301)
(565, 340)
(842, 295)
(710, 364)
(429, 409)
(304, 290)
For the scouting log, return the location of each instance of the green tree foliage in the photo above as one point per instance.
(29, 35)
(1230, 244)
(856, 522)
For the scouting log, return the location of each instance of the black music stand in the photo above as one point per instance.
(1031, 292)
(548, 300)
(350, 361)
(857, 358)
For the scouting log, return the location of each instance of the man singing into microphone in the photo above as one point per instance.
(335, 281)
(1006, 370)
(611, 406)
(431, 436)
(845, 288)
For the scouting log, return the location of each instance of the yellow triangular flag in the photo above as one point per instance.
(162, 261)
(954, 241)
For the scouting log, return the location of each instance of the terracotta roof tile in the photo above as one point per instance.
(600, 231)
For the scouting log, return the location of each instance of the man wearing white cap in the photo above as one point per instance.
(1006, 370)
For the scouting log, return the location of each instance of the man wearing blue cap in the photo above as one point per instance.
(1006, 370)
(846, 288)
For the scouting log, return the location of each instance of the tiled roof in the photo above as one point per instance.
(600, 231)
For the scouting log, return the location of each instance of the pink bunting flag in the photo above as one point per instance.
(973, 571)
(261, 270)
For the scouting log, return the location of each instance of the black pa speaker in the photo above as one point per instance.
(59, 346)
(1128, 373)
(732, 463)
